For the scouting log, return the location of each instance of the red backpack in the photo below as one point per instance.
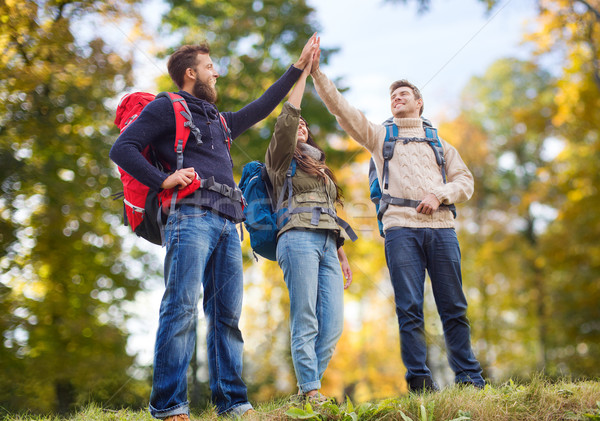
(146, 208)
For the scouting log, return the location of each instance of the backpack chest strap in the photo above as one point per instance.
(389, 144)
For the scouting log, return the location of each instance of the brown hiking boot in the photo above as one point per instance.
(178, 417)
(317, 398)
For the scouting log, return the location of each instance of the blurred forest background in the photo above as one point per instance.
(70, 272)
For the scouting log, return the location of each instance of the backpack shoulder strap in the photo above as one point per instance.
(227, 130)
(183, 124)
(292, 169)
(389, 121)
(264, 175)
(431, 133)
(438, 150)
(389, 144)
(287, 185)
(373, 179)
(436, 144)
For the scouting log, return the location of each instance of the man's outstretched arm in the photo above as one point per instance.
(351, 119)
(260, 108)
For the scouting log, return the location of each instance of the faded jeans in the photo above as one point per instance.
(312, 273)
(409, 252)
(203, 252)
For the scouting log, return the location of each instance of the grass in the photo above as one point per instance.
(536, 400)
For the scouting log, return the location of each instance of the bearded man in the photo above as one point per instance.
(202, 244)
(418, 225)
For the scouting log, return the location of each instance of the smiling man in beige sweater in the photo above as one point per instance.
(418, 238)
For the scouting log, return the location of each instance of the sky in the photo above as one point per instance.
(380, 42)
(439, 51)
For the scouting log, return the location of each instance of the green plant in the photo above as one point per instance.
(595, 415)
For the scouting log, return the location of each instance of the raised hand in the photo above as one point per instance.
(307, 52)
(316, 57)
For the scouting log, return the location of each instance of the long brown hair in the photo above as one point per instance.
(317, 168)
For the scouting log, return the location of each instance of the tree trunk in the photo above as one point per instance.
(65, 396)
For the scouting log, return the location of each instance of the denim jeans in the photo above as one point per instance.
(312, 273)
(409, 252)
(203, 252)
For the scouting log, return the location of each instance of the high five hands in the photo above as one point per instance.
(316, 57)
(308, 52)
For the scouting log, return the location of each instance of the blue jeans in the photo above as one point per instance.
(409, 252)
(203, 252)
(312, 273)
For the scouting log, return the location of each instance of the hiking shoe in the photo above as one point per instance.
(422, 384)
(296, 398)
(178, 417)
(251, 413)
(468, 383)
(318, 398)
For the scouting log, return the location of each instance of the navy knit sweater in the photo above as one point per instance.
(156, 126)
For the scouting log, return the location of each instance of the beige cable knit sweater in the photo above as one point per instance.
(414, 172)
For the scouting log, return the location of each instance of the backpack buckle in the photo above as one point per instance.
(388, 150)
(225, 190)
(316, 215)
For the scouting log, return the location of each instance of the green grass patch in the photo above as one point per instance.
(536, 400)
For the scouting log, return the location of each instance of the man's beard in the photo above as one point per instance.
(204, 91)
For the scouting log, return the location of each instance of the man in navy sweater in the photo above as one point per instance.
(202, 243)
